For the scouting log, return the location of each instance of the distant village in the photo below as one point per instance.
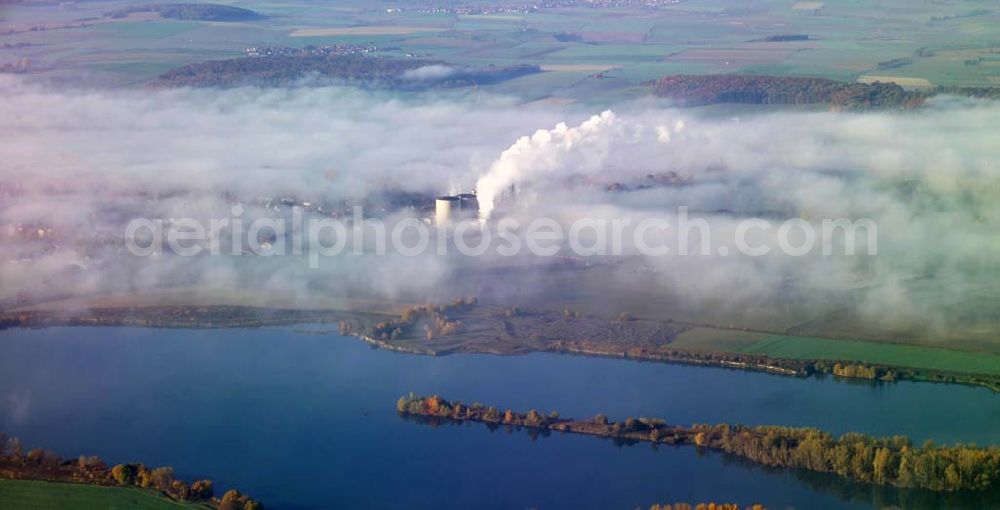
(529, 7)
(313, 51)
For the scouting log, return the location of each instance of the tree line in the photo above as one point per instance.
(895, 460)
(858, 457)
(189, 12)
(782, 366)
(434, 318)
(703, 506)
(41, 464)
(359, 70)
(697, 90)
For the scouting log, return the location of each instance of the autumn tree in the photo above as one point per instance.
(434, 404)
(162, 478)
(534, 419)
(492, 414)
(881, 468)
(144, 477)
(125, 474)
(234, 500)
(93, 461)
(43, 458)
(951, 476)
(508, 416)
(202, 490)
(180, 490)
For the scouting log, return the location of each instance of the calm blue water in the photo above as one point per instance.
(308, 421)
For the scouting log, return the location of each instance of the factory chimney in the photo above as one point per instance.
(447, 209)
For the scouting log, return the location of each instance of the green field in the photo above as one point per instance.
(718, 340)
(807, 347)
(146, 30)
(943, 42)
(797, 347)
(33, 495)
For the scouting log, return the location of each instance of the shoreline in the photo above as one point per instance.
(40, 465)
(858, 458)
(388, 332)
(786, 367)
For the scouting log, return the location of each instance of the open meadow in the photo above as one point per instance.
(36, 495)
(911, 44)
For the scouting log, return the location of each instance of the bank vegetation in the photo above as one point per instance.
(39, 464)
(857, 457)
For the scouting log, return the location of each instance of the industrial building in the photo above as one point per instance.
(454, 208)
(469, 205)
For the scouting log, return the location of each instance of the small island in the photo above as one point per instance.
(857, 457)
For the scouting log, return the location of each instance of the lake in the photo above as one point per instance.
(303, 418)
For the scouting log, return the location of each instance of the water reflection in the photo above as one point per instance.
(307, 421)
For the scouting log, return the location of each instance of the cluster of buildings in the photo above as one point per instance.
(529, 7)
(307, 51)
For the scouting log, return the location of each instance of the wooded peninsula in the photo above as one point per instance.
(857, 457)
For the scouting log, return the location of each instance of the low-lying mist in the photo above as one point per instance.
(77, 165)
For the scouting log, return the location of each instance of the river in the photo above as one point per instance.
(303, 418)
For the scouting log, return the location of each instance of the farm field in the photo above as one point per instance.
(914, 44)
(717, 340)
(36, 495)
(913, 83)
(234, 233)
(146, 29)
(797, 347)
(360, 31)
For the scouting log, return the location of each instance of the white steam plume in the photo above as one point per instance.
(539, 154)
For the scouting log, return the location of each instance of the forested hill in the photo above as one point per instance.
(189, 12)
(371, 72)
(698, 90)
